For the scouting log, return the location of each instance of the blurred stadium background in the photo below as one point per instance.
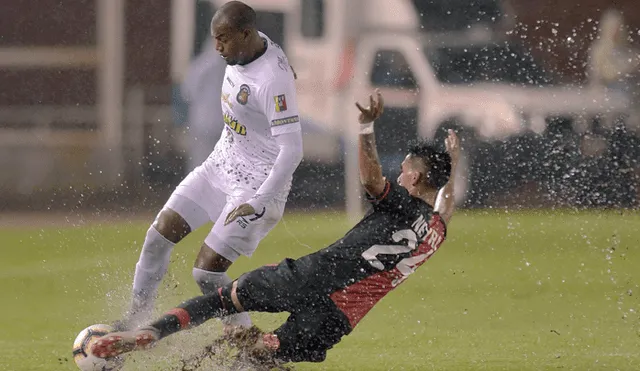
(92, 116)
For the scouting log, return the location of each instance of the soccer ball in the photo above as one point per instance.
(82, 350)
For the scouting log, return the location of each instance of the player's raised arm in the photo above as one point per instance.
(370, 169)
(445, 201)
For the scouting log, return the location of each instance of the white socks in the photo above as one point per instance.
(209, 282)
(150, 269)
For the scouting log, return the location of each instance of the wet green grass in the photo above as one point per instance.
(507, 291)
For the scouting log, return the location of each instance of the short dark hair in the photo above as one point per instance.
(238, 14)
(437, 163)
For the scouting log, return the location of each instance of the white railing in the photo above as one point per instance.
(76, 129)
(51, 125)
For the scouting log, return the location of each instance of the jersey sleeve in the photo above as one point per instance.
(393, 198)
(280, 105)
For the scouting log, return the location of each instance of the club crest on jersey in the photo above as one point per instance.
(243, 94)
(281, 103)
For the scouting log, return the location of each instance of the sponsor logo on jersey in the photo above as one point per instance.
(243, 94)
(233, 123)
(281, 103)
(282, 63)
(285, 121)
(225, 98)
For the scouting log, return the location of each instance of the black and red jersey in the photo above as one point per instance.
(397, 235)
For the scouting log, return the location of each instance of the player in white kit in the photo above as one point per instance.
(243, 185)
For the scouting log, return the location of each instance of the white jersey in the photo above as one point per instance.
(258, 103)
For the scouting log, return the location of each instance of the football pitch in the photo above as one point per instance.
(507, 291)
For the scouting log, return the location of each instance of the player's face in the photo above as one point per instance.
(230, 42)
(409, 174)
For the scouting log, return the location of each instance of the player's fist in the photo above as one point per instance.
(373, 111)
(242, 210)
(452, 144)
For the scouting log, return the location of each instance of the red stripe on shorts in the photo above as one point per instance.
(182, 315)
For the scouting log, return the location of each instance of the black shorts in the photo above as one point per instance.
(315, 324)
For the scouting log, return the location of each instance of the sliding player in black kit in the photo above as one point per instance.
(330, 291)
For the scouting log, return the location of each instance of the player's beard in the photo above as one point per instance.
(229, 61)
(240, 58)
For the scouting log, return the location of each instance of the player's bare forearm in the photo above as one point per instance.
(445, 201)
(369, 164)
(370, 169)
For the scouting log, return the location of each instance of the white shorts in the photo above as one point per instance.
(198, 201)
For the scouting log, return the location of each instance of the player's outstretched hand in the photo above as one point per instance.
(373, 111)
(242, 210)
(452, 144)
